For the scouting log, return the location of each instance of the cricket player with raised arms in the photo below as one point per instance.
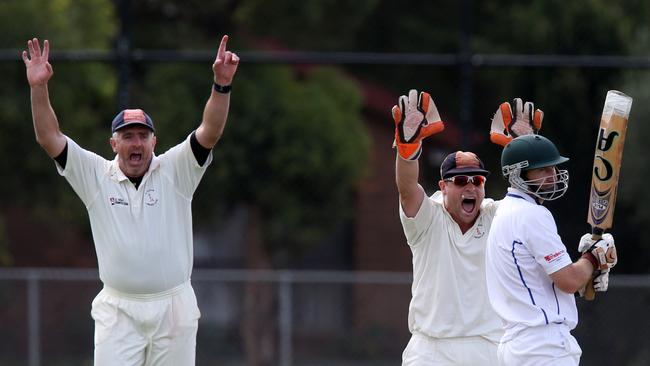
(139, 206)
(450, 317)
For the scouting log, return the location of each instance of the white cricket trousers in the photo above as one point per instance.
(550, 344)
(146, 330)
(461, 351)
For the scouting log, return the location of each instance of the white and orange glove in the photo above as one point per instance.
(507, 125)
(416, 118)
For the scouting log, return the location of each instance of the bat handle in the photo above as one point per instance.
(590, 292)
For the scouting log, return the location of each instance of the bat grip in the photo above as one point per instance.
(590, 292)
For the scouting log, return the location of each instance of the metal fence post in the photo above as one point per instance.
(285, 311)
(124, 54)
(33, 319)
(466, 72)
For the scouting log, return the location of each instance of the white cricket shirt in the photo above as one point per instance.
(524, 248)
(449, 295)
(143, 237)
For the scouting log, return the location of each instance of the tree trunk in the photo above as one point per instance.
(259, 325)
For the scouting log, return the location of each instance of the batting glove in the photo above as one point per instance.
(416, 118)
(507, 125)
(603, 249)
(600, 281)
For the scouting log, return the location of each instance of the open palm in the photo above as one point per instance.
(39, 70)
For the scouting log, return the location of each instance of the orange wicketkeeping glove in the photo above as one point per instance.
(507, 125)
(416, 118)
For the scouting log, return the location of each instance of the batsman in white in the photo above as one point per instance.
(530, 276)
(450, 318)
(139, 206)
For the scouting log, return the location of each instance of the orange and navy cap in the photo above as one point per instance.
(462, 163)
(130, 117)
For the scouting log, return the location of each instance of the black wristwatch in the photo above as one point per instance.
(221, 88)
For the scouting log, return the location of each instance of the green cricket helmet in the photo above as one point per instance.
(533, 152)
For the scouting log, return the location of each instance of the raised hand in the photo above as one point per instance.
(39, 70)
(507, 125)
(225, 65)
(416, 118)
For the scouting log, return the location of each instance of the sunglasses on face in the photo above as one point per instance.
(463, 180)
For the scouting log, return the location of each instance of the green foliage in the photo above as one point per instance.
(552, 27)
(294, 146)
(173, 24)
(314, 25)
(82, 95)
(66, 23)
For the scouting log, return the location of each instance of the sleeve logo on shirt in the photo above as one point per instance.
(117, 201)
(552, 257)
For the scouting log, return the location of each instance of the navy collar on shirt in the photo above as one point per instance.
(522, 196)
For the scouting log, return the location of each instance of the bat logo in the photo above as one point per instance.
(604, 143)
(599, 204)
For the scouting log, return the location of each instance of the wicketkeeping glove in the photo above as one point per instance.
(507, 125)
(416, 118)
(603, 249)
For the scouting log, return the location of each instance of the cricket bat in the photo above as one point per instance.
(607, 165)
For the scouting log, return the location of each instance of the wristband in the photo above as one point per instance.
(221, 88)
(591, 258)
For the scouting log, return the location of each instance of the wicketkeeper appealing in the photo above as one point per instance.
(139, 206)
(450, 318)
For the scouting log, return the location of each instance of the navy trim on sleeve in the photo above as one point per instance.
(62, 158)
(201, 153)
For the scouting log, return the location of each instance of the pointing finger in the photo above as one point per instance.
(222, 47)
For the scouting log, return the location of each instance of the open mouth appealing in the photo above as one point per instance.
(468, 204)
(135, 157)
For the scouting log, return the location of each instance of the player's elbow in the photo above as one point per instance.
(570, 278)
(52, 144)
(569, 287)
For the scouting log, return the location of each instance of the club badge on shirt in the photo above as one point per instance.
(150, 197)
(479, 231)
